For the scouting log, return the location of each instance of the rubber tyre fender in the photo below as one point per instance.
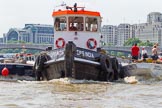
(106, 66)
(105, 62)
(121, 73)
(115, 67)
(110, 76)
(41, 73)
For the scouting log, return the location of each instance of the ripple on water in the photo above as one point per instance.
(70, 93)
(10, 106)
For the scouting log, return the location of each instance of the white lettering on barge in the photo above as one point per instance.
(85, 54)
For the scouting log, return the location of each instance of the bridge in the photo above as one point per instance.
(25, 46)
(126, 51)
(111, 49)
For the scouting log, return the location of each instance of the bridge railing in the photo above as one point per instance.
(25, 46)
(127, 49)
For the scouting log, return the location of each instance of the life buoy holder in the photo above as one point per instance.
(58, 43)
(91, 43)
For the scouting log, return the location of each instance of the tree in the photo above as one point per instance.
(16, 41)
(132, 41)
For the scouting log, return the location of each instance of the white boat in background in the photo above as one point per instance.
(25, 58)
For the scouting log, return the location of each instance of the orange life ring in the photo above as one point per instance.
(91, 43)
(62, 43)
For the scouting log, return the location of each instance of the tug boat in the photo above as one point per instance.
(77, 48)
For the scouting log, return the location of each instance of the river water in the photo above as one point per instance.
(65, 93)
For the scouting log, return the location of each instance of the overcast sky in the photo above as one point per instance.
(17, 13)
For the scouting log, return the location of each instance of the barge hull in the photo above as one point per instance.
(74, 64)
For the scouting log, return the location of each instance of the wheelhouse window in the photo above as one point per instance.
(76, 24)
(60, 24)
(91, 24)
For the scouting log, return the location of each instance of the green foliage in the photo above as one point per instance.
(119, 54)
(12, 41)
(131, 41)
(102, 43)
(148, 43)
(19, 50)
(16, 41)
(112, 53)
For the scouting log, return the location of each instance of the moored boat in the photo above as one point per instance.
(20, 67)
(143, 69)
(16, 71)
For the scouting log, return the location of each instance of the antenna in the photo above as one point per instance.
(62, 4)
(75, 7)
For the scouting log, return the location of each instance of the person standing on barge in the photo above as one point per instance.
(135, 52)
(154, 54)
(144, 54)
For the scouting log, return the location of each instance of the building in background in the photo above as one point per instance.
(154, 17)
(109, 33)
(152, 30)
(1, 40)
(117, 35)
(31, 33)
(112, 35)
(125, 31)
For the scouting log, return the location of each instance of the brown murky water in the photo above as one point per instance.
(80, 94)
